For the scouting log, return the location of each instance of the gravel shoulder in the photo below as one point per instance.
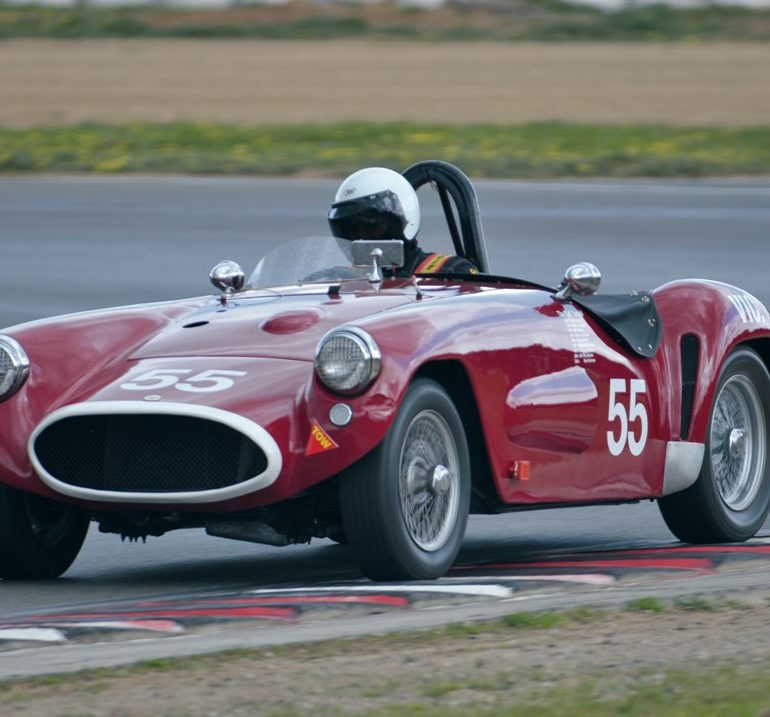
(255, 82)
(459, 670)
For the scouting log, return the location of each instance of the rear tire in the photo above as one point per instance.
(731, 498)
(39, 538)
(405, 505)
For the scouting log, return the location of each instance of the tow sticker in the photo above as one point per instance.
(319, 441)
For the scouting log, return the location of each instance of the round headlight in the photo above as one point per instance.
(347, 360)
(14, 366)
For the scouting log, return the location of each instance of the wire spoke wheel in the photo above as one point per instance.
(731, 497)
(429, 480)
(405, 505)
(738, 443)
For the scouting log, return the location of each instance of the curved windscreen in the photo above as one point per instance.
(308, 260)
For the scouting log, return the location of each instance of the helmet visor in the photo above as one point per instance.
(376, 216)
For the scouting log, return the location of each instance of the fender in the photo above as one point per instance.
(91, 349)
(721, 318)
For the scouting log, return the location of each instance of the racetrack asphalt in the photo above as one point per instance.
(72, 243)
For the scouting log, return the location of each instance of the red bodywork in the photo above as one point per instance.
(539, 372)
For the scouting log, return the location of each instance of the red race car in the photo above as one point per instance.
(327, 400)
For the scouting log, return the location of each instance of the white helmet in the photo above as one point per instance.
(375, 203)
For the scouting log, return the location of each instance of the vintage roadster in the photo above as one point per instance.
(323, 399)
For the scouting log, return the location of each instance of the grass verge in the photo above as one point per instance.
(508, 20)
(535, 150)
(503, 668)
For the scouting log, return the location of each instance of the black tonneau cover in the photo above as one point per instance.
(631, 319)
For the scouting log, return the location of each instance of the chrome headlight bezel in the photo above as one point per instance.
(360, 376)
(16, 375)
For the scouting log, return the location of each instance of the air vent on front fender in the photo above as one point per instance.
(688, 351)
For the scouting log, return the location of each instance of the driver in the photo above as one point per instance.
(378, 203)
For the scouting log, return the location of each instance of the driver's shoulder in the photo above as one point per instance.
(433, 263)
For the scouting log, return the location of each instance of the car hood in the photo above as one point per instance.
(268, 324)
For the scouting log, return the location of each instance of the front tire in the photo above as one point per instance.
(731, 498)
(405, 505)
(39, 538)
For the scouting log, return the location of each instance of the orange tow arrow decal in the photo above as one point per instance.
(319, 441)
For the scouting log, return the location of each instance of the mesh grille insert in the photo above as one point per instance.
(146, 453)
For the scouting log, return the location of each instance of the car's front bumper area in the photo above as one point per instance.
(152, 453)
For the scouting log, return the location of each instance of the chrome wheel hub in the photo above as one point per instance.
(738, 443)
(429, 481)
(441, 481)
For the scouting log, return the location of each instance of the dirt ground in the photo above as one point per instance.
(618, 648)
(249, 82)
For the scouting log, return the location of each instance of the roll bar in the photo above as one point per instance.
(454, 186)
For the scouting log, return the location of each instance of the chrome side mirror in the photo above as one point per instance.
(228, 277)
(582, 279)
